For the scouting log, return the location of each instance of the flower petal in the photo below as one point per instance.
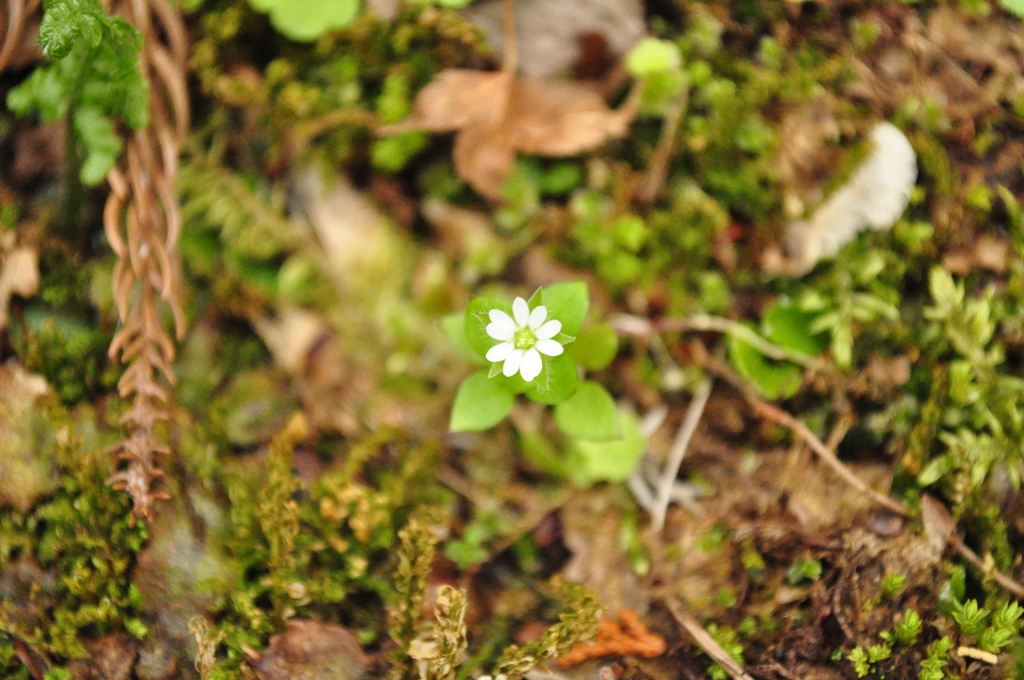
(549, 330)
(500, 319)
(499, 330)
(500, 351)
(549, 347)
(521, 311)
(512, 362)
(537, 316)
(531, 365)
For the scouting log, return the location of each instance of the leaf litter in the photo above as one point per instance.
(497, 114)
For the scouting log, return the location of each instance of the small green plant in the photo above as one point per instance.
(848, 296)
(991, 634)
(658, 67)
(970, 617)
(527, 346)
(892, 584)
(934, 666)
(1002, 630)
(982, 421)
(613, 241)
(863, 660)
(92, 81)
(727, 638)
(907, 630)
(859, 658)
(790, 329)
(804, 572)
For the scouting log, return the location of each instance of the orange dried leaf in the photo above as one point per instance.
(626, 637)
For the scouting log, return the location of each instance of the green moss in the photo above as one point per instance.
(301, 553)
(85, 537)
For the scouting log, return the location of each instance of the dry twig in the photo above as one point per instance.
(675, 456)
(636, 326)
(142, 223)
(777, 415)
(986, 569)
(706, 642)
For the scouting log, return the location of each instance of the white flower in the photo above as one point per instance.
(523, 339)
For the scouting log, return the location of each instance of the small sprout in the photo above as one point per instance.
(657, 64)
(934, 667)
(907, 630)
(859, 658)
(970, 617)
(804, 572)
(1005, 625)
(726, 637)
(892, 585)
(878, 653)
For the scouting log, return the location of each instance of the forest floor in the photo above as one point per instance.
(802, 451)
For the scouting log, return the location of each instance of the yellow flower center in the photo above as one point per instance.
(524, 338)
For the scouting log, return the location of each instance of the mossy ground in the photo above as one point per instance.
(276, 516)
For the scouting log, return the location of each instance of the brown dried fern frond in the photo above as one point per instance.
(142, 223)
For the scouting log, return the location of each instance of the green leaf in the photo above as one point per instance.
(392, 154)
(42, 91)
(589, 414)
(775, 380)
(557, 381)
(651, 56)
(1014, 6)
(64, 21)
(480, 404)
(568, 302)
(591, 462)
(307, 20)
(594, 347)
(477, 320)
(454, 327)
(789, 326)
(935, 469)
(541, 453)
(101, 142)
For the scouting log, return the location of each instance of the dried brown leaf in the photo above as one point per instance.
(456, 98)
(312, 650)
(495, 115)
